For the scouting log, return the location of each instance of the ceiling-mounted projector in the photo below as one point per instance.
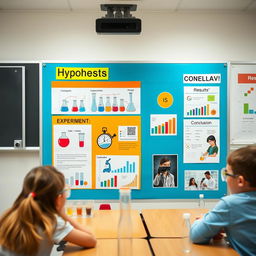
(118, 19)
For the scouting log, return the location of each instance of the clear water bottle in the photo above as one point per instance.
(125, 224)
(186, 243)
(201, 202)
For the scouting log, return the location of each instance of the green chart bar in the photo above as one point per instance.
(246, 108)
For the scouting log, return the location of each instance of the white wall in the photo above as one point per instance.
(172, 37)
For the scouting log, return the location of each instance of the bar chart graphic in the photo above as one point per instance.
(163, 125)
(115, 171)
(109, 183)
(76, 180)
(201, 101)
(248, 110)
(250, 97)
(128, 168)
(202, 111)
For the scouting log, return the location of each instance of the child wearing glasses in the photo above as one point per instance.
(234, 213)
(37, 218)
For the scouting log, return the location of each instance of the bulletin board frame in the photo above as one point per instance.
(242, 123)
(159, 77)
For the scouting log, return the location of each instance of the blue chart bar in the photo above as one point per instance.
(81, 179)
(128, 168)
(71, 181)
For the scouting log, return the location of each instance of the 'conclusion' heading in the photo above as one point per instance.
(63, 73)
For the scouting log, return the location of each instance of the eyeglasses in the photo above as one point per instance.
(224, 174)
(66, 191)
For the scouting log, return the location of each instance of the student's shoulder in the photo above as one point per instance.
(238, 198)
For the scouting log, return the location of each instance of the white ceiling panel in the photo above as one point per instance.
(142, 4)
(214, 4)
(153, 5)
(34, 5)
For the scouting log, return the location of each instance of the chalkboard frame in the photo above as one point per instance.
(32, 104)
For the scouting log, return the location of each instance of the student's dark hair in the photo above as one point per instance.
(212, 138)
(33, 210)
(164, 160)
(207, 173)
(243, 162)
(190, 182)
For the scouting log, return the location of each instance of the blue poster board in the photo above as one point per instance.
(155, 78)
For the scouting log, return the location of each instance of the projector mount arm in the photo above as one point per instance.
(118, 10)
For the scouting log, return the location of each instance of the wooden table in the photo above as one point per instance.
(168, 222)
(174, 247)
(104, 224)
(108, 247)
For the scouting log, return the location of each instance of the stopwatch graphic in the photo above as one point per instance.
(104, 140)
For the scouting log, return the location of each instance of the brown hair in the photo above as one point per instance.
(164, 160)
(32, 211)
(243, 162)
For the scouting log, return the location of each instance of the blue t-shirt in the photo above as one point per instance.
(237, 215)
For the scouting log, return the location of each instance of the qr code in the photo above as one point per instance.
(131, 130)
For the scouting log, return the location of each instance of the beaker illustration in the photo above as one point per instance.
(121, 106)
(108, 105)
(64, 106)
(74, 107)
(130, 107)
(81, 140)
(114, 106)
(63, 140)
(94, 105)
(81, 106)
(101, 105)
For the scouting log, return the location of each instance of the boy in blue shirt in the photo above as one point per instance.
(236, 213)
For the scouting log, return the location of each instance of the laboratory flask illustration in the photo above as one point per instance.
(94, 105)
(74, 107)
(63, 140)
(114, 106)
(130, 107)
(121, 106)
(108, 105)
(81, 106)
(101, 105)
(81, 140)
(64, 106)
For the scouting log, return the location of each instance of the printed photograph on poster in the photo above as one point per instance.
(201, 141)
(243, 105)
(95, 101)
(114, 172)
(201, 180)
(165, 170)
(201, 101)
(163, 125)
(72, 154)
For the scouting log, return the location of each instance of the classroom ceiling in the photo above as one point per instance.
(143, 5)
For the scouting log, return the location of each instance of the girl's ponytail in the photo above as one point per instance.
(32, 216)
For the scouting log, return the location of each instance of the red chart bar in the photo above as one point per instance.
(202, 110)
(166, 127)
(115, 184)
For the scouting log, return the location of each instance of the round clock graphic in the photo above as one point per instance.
(104, 140)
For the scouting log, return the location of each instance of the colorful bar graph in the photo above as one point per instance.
(167, 127)
(200, 111)
(128, 168)
(247, 109)
(109, 183)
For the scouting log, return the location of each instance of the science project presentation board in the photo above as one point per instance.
(158, 128)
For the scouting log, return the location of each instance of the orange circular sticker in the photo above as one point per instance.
(165, 100)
